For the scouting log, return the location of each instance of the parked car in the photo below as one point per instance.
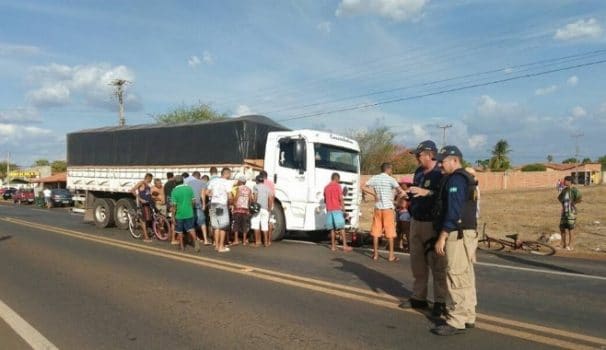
(8, 193)
(24, 196)
(61, 197)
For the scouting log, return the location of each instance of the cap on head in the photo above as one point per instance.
(426, 145)
(447, 151)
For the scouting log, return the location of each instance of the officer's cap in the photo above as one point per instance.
(426, 145)
(449, 151)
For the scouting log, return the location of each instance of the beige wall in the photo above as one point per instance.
(519, 180)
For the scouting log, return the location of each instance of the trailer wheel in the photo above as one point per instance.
(103, 212)
(279, 230)
(120, 212)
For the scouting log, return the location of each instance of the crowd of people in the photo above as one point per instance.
(209, 204)
(434, 215)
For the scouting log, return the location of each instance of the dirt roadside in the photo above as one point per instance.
(532, 213)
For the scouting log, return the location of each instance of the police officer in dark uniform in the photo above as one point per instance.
(423, 194)
(457, 241)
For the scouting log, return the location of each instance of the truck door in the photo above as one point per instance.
(291, 178)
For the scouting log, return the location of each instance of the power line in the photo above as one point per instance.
(406, 87)
(466, 87)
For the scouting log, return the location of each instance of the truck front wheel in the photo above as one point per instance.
(279, 230)
(120, 212)
(103, 212)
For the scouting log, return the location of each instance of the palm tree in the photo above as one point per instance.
(500, 158)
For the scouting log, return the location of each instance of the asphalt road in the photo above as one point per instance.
(87, 288)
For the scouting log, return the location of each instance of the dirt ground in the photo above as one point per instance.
(532, 213)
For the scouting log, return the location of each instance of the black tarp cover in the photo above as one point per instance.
(228, 141)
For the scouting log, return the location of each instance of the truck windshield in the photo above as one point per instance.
(336, 158)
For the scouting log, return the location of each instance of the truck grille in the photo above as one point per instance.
(350, 198)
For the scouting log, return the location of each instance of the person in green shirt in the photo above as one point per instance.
(569, 197)
(182, 199)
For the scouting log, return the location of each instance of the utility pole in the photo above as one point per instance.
(576, 137)
(119, 93)
(444, 127)
(8, 169)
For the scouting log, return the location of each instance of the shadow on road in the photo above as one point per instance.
(533, 263)
(4, 238)
(375, 280)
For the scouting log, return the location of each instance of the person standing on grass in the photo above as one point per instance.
(457, 241)
(183, 209)
(383, 187)
(335, 209)
(569, 197)
(423, 198)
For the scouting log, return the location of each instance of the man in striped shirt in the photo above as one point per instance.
(384, 188)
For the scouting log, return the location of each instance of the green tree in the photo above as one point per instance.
(376, 147)
(500, 156)
(403, 160)
(41, 162)
(549, 158)
(58, 166)
(185, 114)
(572, 160)
(12, 167)
(483, 163)
(586, 160)
(602, 160)
(534, 167)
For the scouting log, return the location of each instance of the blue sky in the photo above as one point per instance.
(339, 65)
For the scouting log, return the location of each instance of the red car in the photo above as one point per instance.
(24, 196)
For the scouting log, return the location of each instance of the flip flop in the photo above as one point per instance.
(375, 257)
(347, 249)
(395, 259)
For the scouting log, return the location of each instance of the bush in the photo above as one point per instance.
(534, 167)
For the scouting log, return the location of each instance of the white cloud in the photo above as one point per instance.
(477, 141)
(20, 115)
(397, 10)
(13, 49)
(546, 91)
(578, 112)
(324, 27)
(13, 133)
(243, 110)
(573, 80)
(207, 58)
(580, 29)
(58, 85)
(193, 61)
(49, 96)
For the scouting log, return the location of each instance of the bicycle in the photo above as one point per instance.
(160, 225)
(496, 244)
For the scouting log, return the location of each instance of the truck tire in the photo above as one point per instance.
(103, 212)
(279, 230)
(120, 210)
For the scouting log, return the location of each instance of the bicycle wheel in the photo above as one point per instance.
(490, 244)
(537, 248)
(134, 226)
(161, 227)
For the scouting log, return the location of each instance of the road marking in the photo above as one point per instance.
(522, 330)
(31, 336)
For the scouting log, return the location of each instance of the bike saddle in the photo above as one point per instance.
(513, 236)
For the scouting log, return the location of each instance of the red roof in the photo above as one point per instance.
(58, 177)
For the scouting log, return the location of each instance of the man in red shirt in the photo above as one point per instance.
(335, 219)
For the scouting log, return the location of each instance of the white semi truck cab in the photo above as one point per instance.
(301, 163)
